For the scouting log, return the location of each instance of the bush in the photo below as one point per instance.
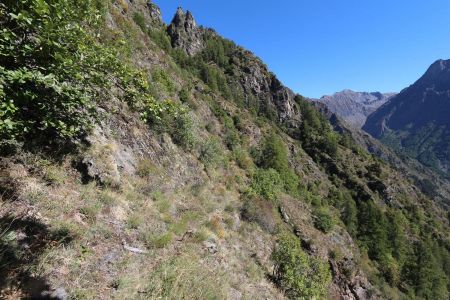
(160, 37)
(183, 132)
(242, 158)
(211, 152)
(266, 183)
(139, 19)
(300, 276)
(323, 220)
(273, 153)
(163, 80)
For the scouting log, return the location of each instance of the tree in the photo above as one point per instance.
(274, 155)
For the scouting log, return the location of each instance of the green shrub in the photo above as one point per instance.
(211, 152)
(160, 37)
(163, 80)
(183, 131)
(186, 98)
(300, 276)
(232, 138)
(242, 158)
(273, 153)
(267, 183)
(323, 220)
(139, 19)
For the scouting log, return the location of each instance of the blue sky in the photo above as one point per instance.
(318, 47)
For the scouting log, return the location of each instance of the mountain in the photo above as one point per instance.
(354, 107)
(416, 121)
(143, 160)
(425, 178)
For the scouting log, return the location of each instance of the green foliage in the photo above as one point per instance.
(211, 152)
(212, 65)
(301, 276)
(323, 220)
(242, 158)
(161, 38)
(139, 19)
(372, 230)
(218, 50)
(423, 271)
(343, 200)
(274, 155)
(177, 122)
(54, 70)
(232, 138)
(183, 131)
(349, 215)
(267, 183)
(316, 134)
(163, 80)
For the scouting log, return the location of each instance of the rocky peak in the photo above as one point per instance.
(185, 33)
(437, 75)
(190, 21)
(155, 13)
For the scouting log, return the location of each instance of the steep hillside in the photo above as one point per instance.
(416, 120)
(431, 183)
(354, 107)
(145, 161)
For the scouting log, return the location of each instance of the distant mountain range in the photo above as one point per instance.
(354, 107)
(417, 120)
(414, 122)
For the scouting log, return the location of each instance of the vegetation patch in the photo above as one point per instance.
(300, 276)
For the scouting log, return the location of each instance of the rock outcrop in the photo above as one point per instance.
(262, 86)
(185, 33)
(154, 13)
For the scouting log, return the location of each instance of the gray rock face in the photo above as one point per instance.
(262, 86)
(354, 107)
(185, 33)
(155, 13)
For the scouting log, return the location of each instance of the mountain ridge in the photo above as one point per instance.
(416, 120)
(354, 107)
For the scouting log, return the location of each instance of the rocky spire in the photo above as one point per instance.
(185, 33)
(155, 13)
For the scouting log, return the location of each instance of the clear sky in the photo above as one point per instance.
(318, 47)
